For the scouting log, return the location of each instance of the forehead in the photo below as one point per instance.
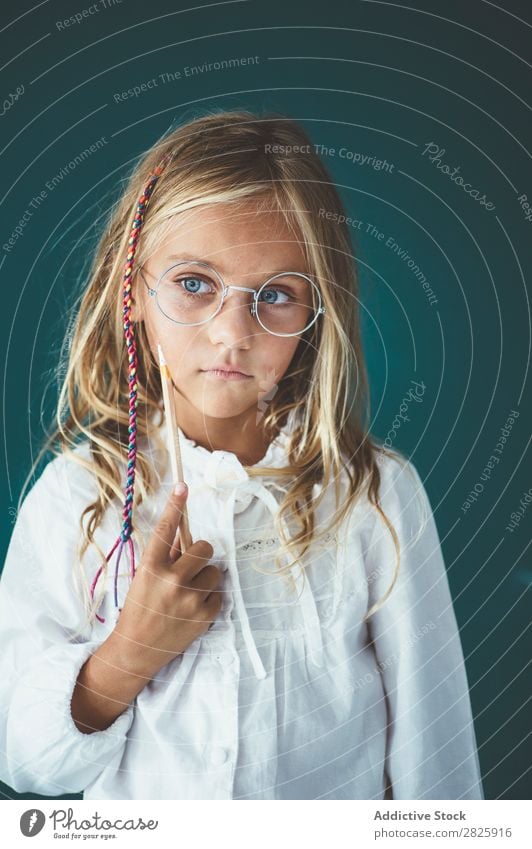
(240, 239)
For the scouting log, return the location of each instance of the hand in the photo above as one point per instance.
(172, 599)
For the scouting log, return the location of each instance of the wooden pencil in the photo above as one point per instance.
(173, 445)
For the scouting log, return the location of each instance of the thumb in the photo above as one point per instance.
(180, 491)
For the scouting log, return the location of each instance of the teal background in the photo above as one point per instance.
(380, 79)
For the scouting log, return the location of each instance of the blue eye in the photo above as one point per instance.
(196, 283)
(192, 286)
(271, 296)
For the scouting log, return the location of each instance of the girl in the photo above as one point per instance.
(305, 645)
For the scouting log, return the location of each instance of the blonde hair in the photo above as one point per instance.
(221, 157)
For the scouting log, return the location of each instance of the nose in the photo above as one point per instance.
(234, 325)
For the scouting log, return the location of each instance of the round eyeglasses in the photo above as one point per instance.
(190, 292)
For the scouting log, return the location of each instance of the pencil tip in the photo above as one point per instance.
(162, 360)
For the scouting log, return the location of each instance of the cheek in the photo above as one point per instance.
(179, 345)
(274, 363)
(280, 354)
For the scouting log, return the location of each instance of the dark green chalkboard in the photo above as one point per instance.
(406, 103)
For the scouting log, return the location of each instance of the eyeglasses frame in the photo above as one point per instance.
(225, 288)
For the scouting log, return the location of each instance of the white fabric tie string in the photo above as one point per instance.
(237, 490)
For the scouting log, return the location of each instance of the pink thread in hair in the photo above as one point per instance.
(129, 334)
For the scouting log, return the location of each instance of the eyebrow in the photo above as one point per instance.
(191, 258)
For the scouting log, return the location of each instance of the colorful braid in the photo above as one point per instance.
(129, 333)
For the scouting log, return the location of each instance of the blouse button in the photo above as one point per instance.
(224, 658)
(218, 756)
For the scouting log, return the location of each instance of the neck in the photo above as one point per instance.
(241, 435)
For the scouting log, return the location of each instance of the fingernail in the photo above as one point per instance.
(180, 488)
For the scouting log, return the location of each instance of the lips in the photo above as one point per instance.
(228, 370)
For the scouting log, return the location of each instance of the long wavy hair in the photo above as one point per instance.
(228, 157)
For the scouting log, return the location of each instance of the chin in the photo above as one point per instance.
(221, 405)
(223, 411)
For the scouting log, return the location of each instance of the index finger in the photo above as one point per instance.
(164, 533)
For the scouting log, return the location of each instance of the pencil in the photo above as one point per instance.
(174, 450)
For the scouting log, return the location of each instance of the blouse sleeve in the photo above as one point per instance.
(431, 750)
(41, 616)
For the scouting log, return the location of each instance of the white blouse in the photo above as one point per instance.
(283, 697)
